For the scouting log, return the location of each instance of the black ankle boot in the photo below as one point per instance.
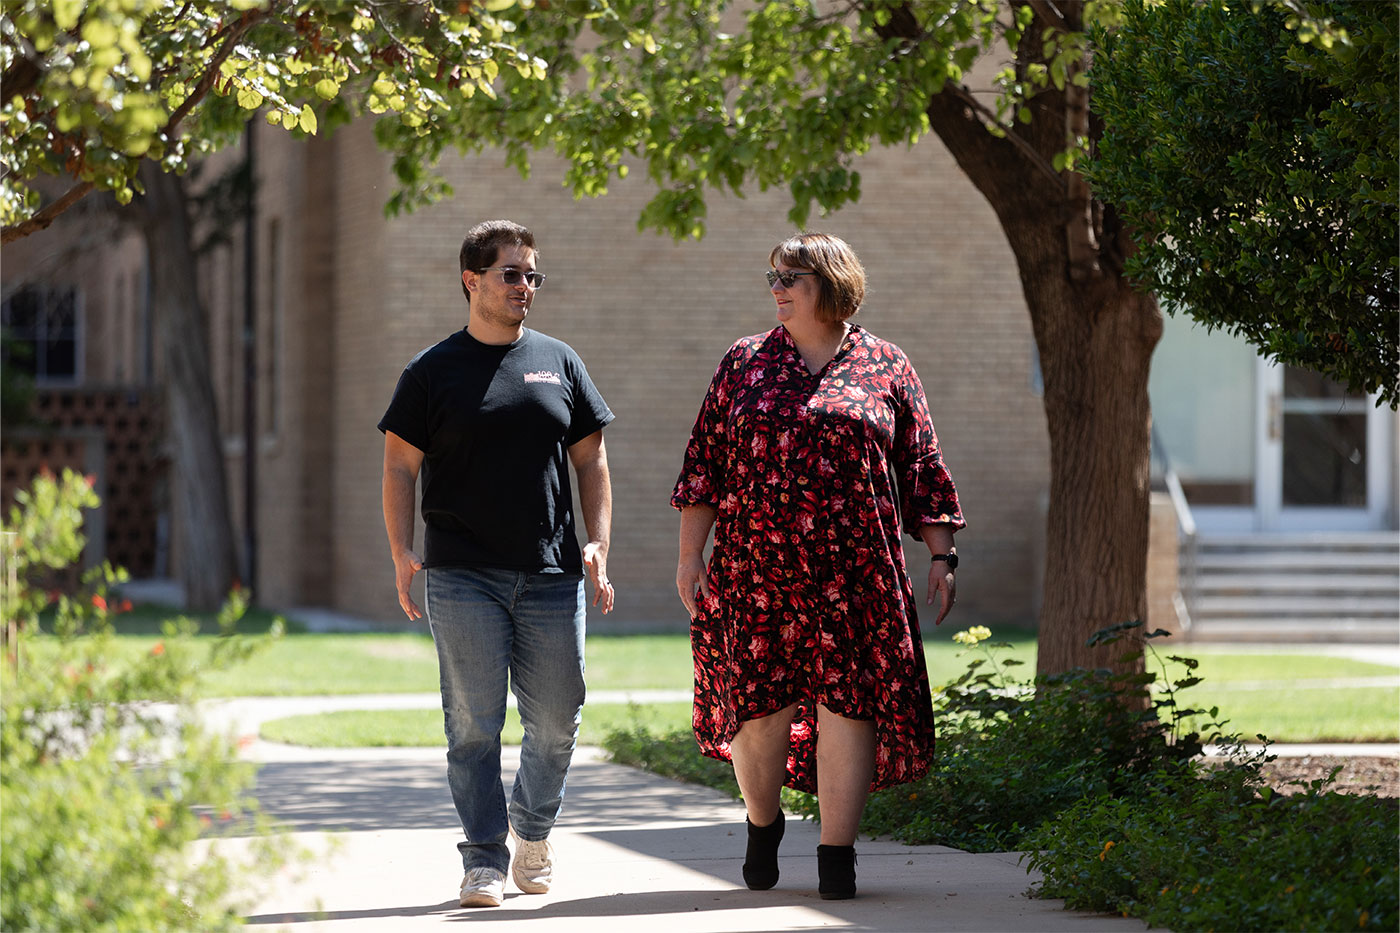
(836, 872)
(761, 860)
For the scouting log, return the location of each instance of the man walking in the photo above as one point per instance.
(488, 416)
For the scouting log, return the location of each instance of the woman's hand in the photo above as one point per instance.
(942, 582)
(690, 579)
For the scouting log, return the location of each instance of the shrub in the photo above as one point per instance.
(108, 778)
(673, 755)
(1216, 851)
(1011, 754)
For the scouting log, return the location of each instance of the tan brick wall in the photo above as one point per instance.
(651, 319)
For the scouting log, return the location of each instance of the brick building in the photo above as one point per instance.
(345, 297)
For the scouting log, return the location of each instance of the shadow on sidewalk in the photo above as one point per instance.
(368, 796)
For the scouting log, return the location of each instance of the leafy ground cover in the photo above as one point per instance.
(1120, 812)
(103, 799)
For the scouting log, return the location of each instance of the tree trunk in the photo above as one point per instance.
(1095, 350)
(1095, 336)
(199, 494)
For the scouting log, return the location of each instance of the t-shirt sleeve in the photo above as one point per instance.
(926, 491)
(590, 412)
(407, 415)
(702, 467)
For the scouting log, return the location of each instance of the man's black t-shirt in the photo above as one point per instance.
(495, 424)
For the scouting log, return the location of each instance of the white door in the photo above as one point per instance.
(1324, 460)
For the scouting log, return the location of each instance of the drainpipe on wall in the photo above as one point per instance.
(250, 370)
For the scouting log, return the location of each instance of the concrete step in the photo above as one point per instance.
(1338, 540)
(1351, 630)
(1359, 561)
(1305, 587)
(1208, 607)
(1211, 582)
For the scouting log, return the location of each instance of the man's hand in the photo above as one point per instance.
(941, 581)
(595, 558)
(406, 564)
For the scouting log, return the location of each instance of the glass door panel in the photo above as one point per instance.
(1324, 442)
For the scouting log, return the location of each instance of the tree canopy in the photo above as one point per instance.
(1262, 174)
(92, 88)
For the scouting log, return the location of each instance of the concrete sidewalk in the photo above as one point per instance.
(633, 852)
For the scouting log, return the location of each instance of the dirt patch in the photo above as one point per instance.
(1358, 775)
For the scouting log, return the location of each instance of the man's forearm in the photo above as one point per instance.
(595, 500)
(398, 510)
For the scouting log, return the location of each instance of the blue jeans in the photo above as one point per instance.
(492, 626)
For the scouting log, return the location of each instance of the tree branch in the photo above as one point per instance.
(246, 22)
(1047, 11)
(989, 119)
(904, 25)
(46, 216)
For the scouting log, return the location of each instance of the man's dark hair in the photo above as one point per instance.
(483, 243)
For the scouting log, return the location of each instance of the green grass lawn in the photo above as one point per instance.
(423, 727)
(305, 664)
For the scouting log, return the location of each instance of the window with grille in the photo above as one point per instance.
(42, 334)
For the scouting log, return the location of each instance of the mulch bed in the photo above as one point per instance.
(1358, 775)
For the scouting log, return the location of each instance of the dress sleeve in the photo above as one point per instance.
(702, 470)
(927, 495)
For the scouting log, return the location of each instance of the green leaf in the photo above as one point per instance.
(308, 119)
(66, 13)
(99, 33)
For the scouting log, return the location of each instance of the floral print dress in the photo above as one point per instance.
(812, 478)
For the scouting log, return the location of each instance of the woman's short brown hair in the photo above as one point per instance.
(838, 269)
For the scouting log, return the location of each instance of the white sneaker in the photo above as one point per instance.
(533, 865)
(483, 887)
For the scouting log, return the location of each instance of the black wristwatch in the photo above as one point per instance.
(952, 560)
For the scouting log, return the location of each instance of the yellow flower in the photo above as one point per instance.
(973, 635)
(1106, 847)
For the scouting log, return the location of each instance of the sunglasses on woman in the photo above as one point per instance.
(513, 276)
(789, 279)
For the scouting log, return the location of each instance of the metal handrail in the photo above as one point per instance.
(1184, 599)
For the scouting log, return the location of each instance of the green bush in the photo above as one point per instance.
(108, 778)
(1097, 774)
(673, 755)
(1011, 754)
(1216, 851)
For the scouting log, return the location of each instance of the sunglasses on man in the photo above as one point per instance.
(513, 276)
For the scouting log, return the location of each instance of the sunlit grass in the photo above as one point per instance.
(1318, 714)
(306, 664)
(423, 727)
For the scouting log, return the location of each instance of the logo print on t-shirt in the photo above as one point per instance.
(544, 375)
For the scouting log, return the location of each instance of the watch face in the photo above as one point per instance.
(952, 562)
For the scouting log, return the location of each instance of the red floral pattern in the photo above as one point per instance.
(812, 477)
